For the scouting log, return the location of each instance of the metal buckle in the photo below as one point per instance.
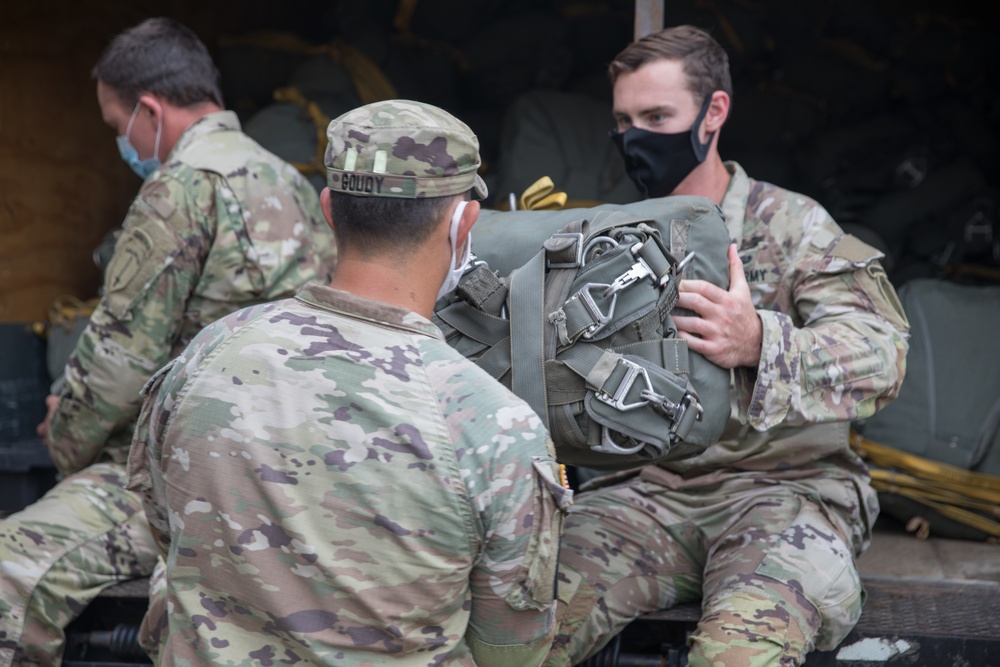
(675, 411)
(609, 446)
(684, 262)
(636, 272)
(578, 261)
(595, 311)
(602, 240)
(617, 401)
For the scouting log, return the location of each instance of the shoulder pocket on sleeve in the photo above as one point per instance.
(535, 587)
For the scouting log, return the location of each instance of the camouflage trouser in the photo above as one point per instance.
(56, 555)
(771, 566)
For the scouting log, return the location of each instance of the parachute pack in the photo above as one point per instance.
(935, 450)
(571, 310)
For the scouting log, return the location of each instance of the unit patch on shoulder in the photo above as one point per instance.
(130, 254)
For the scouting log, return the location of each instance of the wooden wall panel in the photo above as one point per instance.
(62, 185)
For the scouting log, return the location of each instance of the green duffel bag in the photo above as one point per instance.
(571, 309)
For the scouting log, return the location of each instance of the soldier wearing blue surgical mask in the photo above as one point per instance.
(149, 122)
(218, 223)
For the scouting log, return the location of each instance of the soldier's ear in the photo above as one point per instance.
(469, 217)
(324, 203)
(718, 112)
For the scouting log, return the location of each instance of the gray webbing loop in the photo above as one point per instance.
(527, 334)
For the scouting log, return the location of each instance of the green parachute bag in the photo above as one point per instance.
(571, 310)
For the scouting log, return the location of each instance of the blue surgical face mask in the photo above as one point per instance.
(131, 156)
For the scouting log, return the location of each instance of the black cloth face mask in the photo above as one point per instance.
(658, 162)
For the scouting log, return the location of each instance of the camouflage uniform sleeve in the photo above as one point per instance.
(144, 474)
(155, 267)
(160, 393)
(515, 486)
(839, 354)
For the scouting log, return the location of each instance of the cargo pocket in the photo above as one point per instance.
(814, 559)
(535, 584)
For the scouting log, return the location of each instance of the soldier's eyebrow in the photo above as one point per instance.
(662, 109)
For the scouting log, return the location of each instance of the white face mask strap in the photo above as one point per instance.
(456, 217)
(159, 128)
(128, 130)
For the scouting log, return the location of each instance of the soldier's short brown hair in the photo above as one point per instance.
(705, 62)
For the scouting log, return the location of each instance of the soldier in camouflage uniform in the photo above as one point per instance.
(764, 526)
(329, 481)
(221, 224)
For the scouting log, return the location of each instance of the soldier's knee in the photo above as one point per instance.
(754, 628)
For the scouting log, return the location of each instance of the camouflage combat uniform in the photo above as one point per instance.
(333, 484)
(221, 225)
(763, 526)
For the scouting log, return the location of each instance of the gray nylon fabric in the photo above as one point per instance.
(937, 415)
(583, 384)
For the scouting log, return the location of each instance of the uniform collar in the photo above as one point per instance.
(376, 312)
(220, 121)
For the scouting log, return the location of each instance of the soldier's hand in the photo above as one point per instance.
(728, 331)
(51, 401)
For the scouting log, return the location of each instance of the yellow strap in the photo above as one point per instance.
(64, 312)
(977, 521)
(964, 496)
(541, 196)
(943, 493)
(888, 457)
(66, 309)
(369, 81)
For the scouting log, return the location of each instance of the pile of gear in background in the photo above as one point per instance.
(883, 114)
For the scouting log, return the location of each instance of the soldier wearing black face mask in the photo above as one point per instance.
(657, 162)
(764, 526)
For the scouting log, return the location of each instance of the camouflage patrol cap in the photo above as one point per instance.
(404, 149)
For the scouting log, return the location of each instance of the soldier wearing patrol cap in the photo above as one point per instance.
(342, 486)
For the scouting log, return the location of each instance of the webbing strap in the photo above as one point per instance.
(475, 324)
(609, 373)
(527, 334)
(670, 354)
(587, 310)
(483, 328)
(657, 262)
(496, 360)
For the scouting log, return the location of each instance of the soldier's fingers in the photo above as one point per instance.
(692, 325)
(736, 276)
(703, 287)
(699, 303)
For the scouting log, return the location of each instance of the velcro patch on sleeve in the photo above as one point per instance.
(853, 249)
